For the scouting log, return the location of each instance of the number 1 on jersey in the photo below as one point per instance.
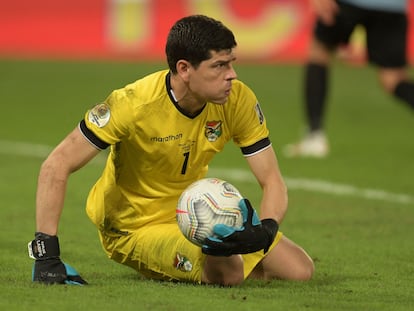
(184, 168)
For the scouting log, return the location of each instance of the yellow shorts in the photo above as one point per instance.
(162, 252)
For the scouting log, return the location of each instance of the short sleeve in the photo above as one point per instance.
(110, 121)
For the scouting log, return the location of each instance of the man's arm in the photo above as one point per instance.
(254, 235)
(70, 155)
(265, 167)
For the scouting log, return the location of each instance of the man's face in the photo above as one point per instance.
(212, 79)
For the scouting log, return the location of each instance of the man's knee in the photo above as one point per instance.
(287, 261)
(225, 271)
(305, 271)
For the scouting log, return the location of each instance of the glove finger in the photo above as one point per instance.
(249, 213)
(215, 243)
(244, 210)
(255, 219)
(33, 272)
(215, 252)
(75, 280)
(70, 271)
(222, 230)
(73, 276)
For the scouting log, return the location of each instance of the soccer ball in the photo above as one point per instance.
(203, 204)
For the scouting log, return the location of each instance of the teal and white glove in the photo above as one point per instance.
(253, 236)
(48, 268)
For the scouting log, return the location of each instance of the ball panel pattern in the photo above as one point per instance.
(205, 203)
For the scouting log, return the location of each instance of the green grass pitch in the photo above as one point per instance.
(353, 212)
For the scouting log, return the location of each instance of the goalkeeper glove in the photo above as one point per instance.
(253, 236)
(48, 268)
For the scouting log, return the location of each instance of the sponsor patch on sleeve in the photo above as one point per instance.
(99, 115)
(259, 113)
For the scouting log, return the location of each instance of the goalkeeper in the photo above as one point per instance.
(162, 131)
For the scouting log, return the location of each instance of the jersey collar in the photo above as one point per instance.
(174, 100)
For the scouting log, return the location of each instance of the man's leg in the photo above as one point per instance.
(316, 83)
(225, 271)
(395, 81)
(287, 261)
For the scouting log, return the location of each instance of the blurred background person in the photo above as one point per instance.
(385, 23)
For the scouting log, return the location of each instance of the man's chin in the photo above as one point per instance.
(219, 101)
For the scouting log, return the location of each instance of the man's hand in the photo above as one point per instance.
(48, 268)
(252, 237)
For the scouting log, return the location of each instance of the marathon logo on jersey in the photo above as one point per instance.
(259, 113)
(213, 130)
(182, 263)
(99, 115)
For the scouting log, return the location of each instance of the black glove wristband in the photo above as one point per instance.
(271, 227)
(44, 246)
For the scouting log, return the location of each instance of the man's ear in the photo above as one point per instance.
(183, 69)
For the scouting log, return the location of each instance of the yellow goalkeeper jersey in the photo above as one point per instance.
(157, 151)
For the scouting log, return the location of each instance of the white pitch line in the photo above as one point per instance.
(322, 186)
(24, 149)
(312, 185)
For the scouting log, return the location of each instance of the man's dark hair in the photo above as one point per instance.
(192, 38)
